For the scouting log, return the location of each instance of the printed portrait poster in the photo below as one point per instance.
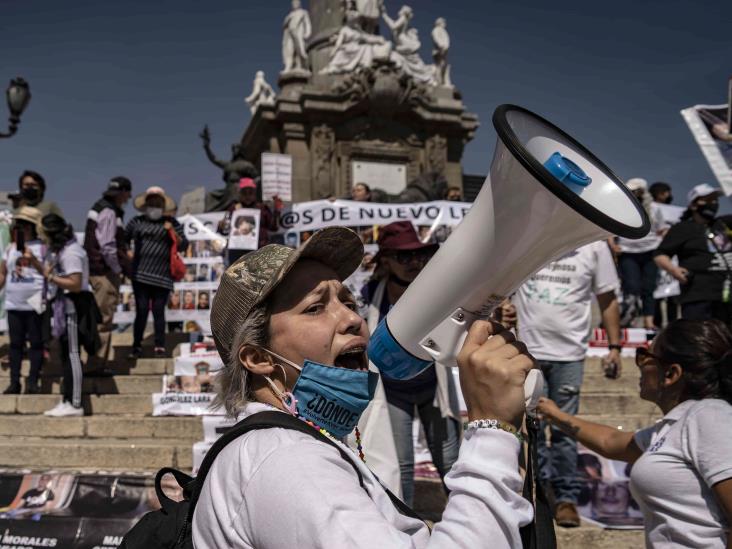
(244, 230)
(605, 498)
(708, 124)
(190, 390)
(39, 494)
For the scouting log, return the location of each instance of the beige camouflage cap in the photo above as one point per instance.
(252, 278)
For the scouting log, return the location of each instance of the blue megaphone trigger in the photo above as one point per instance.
(566, 171)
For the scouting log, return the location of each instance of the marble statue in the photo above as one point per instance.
(262, 93)
(440, 47)
(406, 46)
(354, 48)
(296, 29)
(369, 12)
(232, 172)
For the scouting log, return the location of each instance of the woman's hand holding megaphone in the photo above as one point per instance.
(493, 368)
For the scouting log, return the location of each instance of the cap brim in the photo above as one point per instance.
(339, 248)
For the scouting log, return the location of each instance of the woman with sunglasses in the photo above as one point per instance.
(682, 472)
(401, 257)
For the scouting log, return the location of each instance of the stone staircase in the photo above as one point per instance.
(120, 433)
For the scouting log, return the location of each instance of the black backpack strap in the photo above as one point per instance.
(540, 533)
(181, 478)
(261, 420)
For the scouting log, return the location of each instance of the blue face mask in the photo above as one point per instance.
(333, 398)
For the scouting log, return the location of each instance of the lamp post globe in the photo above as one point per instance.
(18, 96)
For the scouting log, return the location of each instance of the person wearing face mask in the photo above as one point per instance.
(702, 243)
(431, 395)
(104, 242)
(638, 271)
(682, 466)
(292, 342)
(31, 191)
(151, 278)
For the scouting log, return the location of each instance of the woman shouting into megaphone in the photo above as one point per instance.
(291, 341)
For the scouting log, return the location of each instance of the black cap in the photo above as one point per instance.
(120, 183)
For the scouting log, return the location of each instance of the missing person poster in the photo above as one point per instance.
(189, 391)
(244, 232)
(605, 498)
(709, 126)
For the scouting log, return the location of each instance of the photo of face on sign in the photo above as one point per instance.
(174, 301)
(39, 493)
(190, 275)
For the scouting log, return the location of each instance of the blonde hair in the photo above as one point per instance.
(232, 384)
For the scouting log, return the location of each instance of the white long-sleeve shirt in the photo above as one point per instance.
(277, 488)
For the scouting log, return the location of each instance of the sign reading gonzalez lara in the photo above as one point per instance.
(189, 391)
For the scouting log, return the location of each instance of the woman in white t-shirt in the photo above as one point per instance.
(682, 466)
(66, 270)
(23, 298)
(292, 341)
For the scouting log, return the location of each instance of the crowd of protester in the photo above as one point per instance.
(59, 288)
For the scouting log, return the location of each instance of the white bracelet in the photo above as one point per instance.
(494, 424)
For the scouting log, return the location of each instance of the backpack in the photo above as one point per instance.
(171, 527)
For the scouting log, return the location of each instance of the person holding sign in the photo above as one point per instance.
(292, 342)
(268, 220)
(23, 298)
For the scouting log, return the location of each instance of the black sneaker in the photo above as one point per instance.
(160, 352)
(12, 389)
(31, 388)
(135, 353)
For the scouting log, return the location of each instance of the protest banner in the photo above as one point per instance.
(75, 511)
(710, 127)
(276, 176)
(244, 232)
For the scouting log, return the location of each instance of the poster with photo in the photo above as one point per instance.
(605, 498)
(244, 231)
(189, 391)
(709, 126)
(39, 493)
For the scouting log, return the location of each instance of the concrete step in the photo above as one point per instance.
(122, 384)
(143, 366)
(624, 384)
(614, 404)
(103, 426)
(587, 536)
(36, 453)
(105, 404)
(628, 423)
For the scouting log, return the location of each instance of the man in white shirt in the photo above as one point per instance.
(554, 317)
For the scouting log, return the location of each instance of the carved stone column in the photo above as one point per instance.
(322, 149)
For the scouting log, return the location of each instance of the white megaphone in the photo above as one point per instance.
(545, 196)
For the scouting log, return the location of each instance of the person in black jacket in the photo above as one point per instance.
(703, 244)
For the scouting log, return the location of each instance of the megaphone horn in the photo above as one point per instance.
(546, 195)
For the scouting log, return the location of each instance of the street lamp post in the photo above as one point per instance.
(18, 95)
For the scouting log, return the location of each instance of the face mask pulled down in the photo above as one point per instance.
(331, 397)
(154, 213)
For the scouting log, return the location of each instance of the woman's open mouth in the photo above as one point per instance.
(353, 359)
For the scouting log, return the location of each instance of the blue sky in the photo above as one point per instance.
(124, 87)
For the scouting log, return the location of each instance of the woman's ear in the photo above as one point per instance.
(255, 360)
(673, 375)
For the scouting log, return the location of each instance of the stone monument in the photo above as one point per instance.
(262, 93)
(363, 106)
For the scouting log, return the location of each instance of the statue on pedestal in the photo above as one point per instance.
(296, 29)
(233, 171)
(440, 47)
(368, 11)
(354, 48)
(406, 46)
(262, 93)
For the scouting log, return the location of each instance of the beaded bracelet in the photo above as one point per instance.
(497, 425)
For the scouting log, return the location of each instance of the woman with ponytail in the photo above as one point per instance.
(682, 472)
